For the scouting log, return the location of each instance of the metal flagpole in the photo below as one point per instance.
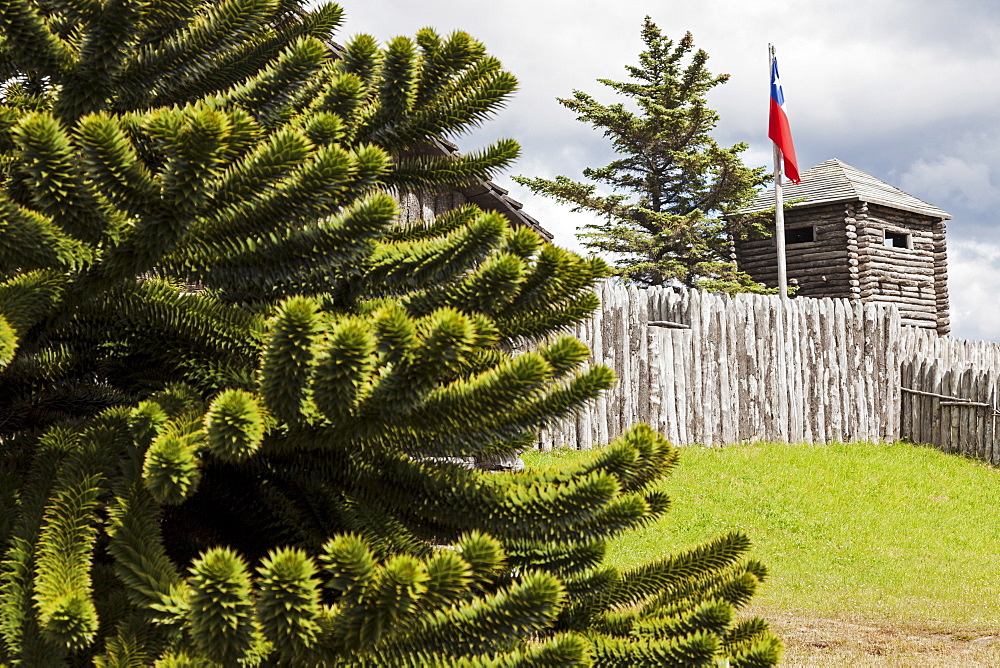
(779, 238)
(779, 208)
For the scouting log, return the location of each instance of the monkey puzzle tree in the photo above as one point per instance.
(672, 182)
(233, 391)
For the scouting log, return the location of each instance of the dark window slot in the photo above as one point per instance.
(799, 235)
(896, 240)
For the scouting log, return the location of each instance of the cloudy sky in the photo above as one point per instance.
(906, 90)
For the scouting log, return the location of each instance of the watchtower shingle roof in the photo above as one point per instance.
(835, 181)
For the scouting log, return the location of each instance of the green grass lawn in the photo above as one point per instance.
(881, 531)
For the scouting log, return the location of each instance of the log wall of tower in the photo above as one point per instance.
(901, 276)
(848, 258)
(821, 266)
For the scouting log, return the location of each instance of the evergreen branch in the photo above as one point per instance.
(530, 604)
(19, 623)
(637, 458)
(58, 186)
(195, 49)
(195, 323)
(434, 345)
(31, 43)
(63, 590)
(113, 164)
(757, 653)
(344, 95)
(456, 416)
(405, 265)
(708, 616)
(343, 377)
(171, 468)
(493, 285)
(442, 225)
(269, 95)
(288, 358)
(362, 58)
(568, 557)
(246, 61)
(647, 581)
(274, 158)
(397, 84)
(556, 277)
(459, 103)
(287, 603)
(29, 240)
(336, 246)
(151, 580)
(234, 425)
(439, 487)
(25, 301)
(421, 171)
(99, 60)
(699, 649)
(319, 187)
(440, 58)
(540, 321)
(220, 616)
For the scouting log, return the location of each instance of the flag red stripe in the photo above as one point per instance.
(780, 133)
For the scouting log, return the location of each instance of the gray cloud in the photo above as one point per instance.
(902, 89)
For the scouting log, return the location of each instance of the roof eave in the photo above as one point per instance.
(930, 213)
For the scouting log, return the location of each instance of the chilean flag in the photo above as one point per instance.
(777, 127)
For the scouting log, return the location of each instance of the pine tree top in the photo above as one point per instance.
(663, 198)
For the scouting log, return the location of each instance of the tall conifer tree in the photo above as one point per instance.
(664, 196)
(233, 392)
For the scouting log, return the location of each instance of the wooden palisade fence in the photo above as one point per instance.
(712, 369)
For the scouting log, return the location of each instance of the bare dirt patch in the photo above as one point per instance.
(827, 641)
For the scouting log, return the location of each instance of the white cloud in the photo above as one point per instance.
(973, 280)
(953, 180)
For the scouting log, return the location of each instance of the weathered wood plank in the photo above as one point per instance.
(612, 358)
(905, 401)
(893, 360)
(641, 356)
(781, 378)
(841, 312)
(796, 361)
(670, 415)
(730, 367)
(716, 376)
(753, 399)
(833, 378)
(655, 361)
(601, 435)
(818, 375)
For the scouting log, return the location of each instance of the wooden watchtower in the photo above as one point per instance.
(849, 234)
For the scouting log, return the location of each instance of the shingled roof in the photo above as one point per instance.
(488, 195)
(835, 181)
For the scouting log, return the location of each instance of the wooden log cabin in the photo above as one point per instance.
(849, 234)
